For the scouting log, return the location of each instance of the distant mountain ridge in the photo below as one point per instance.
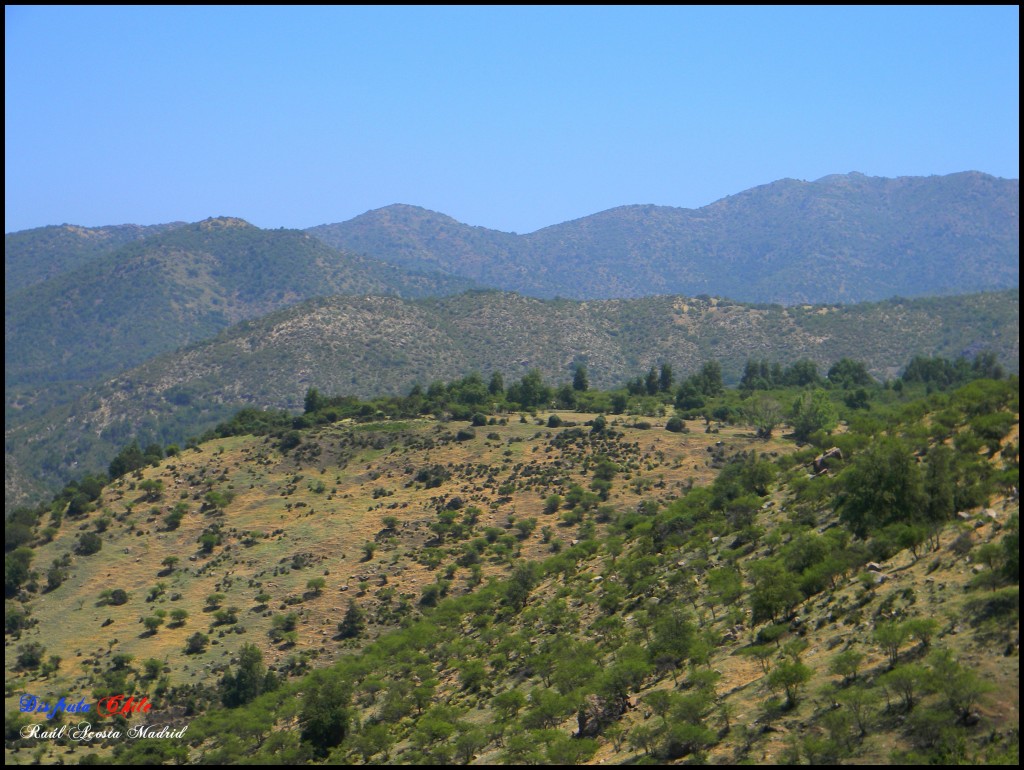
(842, 238)
(32, 256)
(178, 286)
(84, 304)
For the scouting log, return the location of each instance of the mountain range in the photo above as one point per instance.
(83, 306)
(32, 256)
(638, 565)
(181, 285)
(842, 238)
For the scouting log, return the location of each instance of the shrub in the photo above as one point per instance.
(88, 544)
(30, 655)
(118, 597)
(196, 643)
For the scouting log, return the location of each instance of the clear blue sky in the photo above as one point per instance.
(509, 118)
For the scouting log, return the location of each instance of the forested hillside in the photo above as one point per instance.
(842, 238)
(363, 346)
(32, 256)
(507, 572)
(159, 293)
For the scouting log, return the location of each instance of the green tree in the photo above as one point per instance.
(523, 748)
(688, 396)
(580, 381)
(16, 569)
(660, 702)
(178, 617)
(725, 586)
(790, 676)
(173, 519)
(248, 681)
(960, 686)
(775, 590)
(813, 411)
(552, 504)
(651, 382)
(508, 704)
(226, 616)
(468, 743)
(30, 656)
(883, 485)
(153, 489)
(709, 379)
(473, 675)
(673, 639)
(354, 622)
(890, 636)
(846, 664)
(127, 460)
(757, 375)
(530, 391)
(801, 374)
(940, 483)
(517, 590)
(547, 708)
(675, 424)
(922, 629)
(860, 701)
(764, 414)
(325, 714)
(313, 401)
(665, 378)
(374, 738)
(908, 681)
(79, 505)
(847, 373)
(496, 387)
(563, 750)
(88, 544)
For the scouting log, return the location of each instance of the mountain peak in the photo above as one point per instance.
(222, 223)
(406, 212)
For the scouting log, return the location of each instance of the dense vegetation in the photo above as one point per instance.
(576, 598)
(32, 256)
(181, 285)
(843, 238)
(365, 346)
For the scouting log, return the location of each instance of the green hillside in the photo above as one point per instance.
(557, 587)
(184, 285)
(378, 345)
(842, 238)
(32, 256)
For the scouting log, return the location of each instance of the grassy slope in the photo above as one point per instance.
(332, 527)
